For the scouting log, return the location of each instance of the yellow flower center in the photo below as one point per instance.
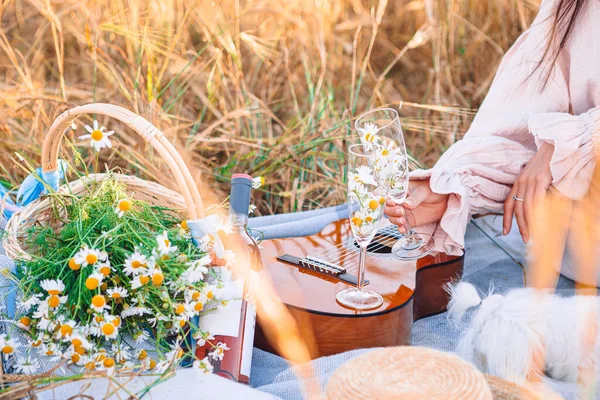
(167, 242)
(53, 301)
(219, 350)
(26, 321)
(369, 137)
(91, 258)
(66, 330)
(109, 362)
(108, 329)
(53, 292)
(136, 264)
(385, 152)
(152, 364)
(373, 204)
(77, 342)
(49, 352)
(97, 134)
(381, 200)
(158, 278)
(179, 309)
(357, 221)
(98, 301)
(99, 318)
(7, 349)
(116, 295)
(369, 219)
(184, 224)
(125, 205)
(116, 321)
(105, 270)
(90, 365)
(199, 306)
(75, 358)
(73, 265)
(195, 295)
(79, 350)
(143, 355)
(91, 283)
(144, 279)
(210, 295)
(37, 343)
(181, 323)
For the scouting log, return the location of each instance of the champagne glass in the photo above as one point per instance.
(366, 199)
(381, 133)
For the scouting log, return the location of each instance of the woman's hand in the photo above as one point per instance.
(530, 186)
(421, 207)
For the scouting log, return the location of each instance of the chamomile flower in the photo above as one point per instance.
(204, 365)
(26, 305)
(109, 330)
(141, 336)
(104, 268)
(24, 322)
(123, 206)
(117, 293)
(27, 367)
(54, 287)
(196, 270)
(99, 303)
(66, 329)
(202, 338)
(94, 280)
(139, 281)
(50, 350)
(98, 135)
(135, 264)
(164, 244)
(80, 341)
(364, 176)
(121, 353)
(8, 345)
(157, 277)
(368, 135)
(218, 351)
(53, 301)
(88, 256)
(258, 182)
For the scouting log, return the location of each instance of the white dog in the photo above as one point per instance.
(529, 334)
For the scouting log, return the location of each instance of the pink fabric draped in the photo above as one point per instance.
(517, 117)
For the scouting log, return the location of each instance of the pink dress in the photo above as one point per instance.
(517, 117)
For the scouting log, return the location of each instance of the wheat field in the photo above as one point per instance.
(259, 86)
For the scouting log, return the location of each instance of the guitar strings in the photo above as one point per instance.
(381, 243)
(329, 251)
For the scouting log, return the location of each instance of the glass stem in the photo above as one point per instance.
(361, 266)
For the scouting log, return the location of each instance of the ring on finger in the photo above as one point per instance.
(515, 198)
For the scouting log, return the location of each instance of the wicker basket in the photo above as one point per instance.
(40, 211)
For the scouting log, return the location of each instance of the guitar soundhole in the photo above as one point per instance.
(381, 244)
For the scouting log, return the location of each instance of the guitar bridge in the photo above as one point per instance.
(319, 265)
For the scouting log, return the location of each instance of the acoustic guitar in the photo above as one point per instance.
(307, 272)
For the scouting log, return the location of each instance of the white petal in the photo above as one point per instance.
(89, 129)
(83, 137)
(95, 125)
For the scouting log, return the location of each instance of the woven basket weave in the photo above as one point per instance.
(41, 212)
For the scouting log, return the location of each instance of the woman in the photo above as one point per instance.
(538, 127)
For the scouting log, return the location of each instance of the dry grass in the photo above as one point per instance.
(268, 87)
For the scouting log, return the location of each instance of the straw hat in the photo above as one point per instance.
(408, 373)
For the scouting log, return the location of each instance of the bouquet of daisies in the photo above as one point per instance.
(118, 287)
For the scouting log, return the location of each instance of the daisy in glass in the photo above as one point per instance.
(99, 303)
(258, 182)
(88, 256)
(98, 135)
(123, 206)
(27, 367)
(136, 264)
(368, 135)
(164, 244)
(117, 293)
(94, 280)
(7, 345)
(218, 351)
(204, 365)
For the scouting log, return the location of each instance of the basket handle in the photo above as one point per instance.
(142, 127)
